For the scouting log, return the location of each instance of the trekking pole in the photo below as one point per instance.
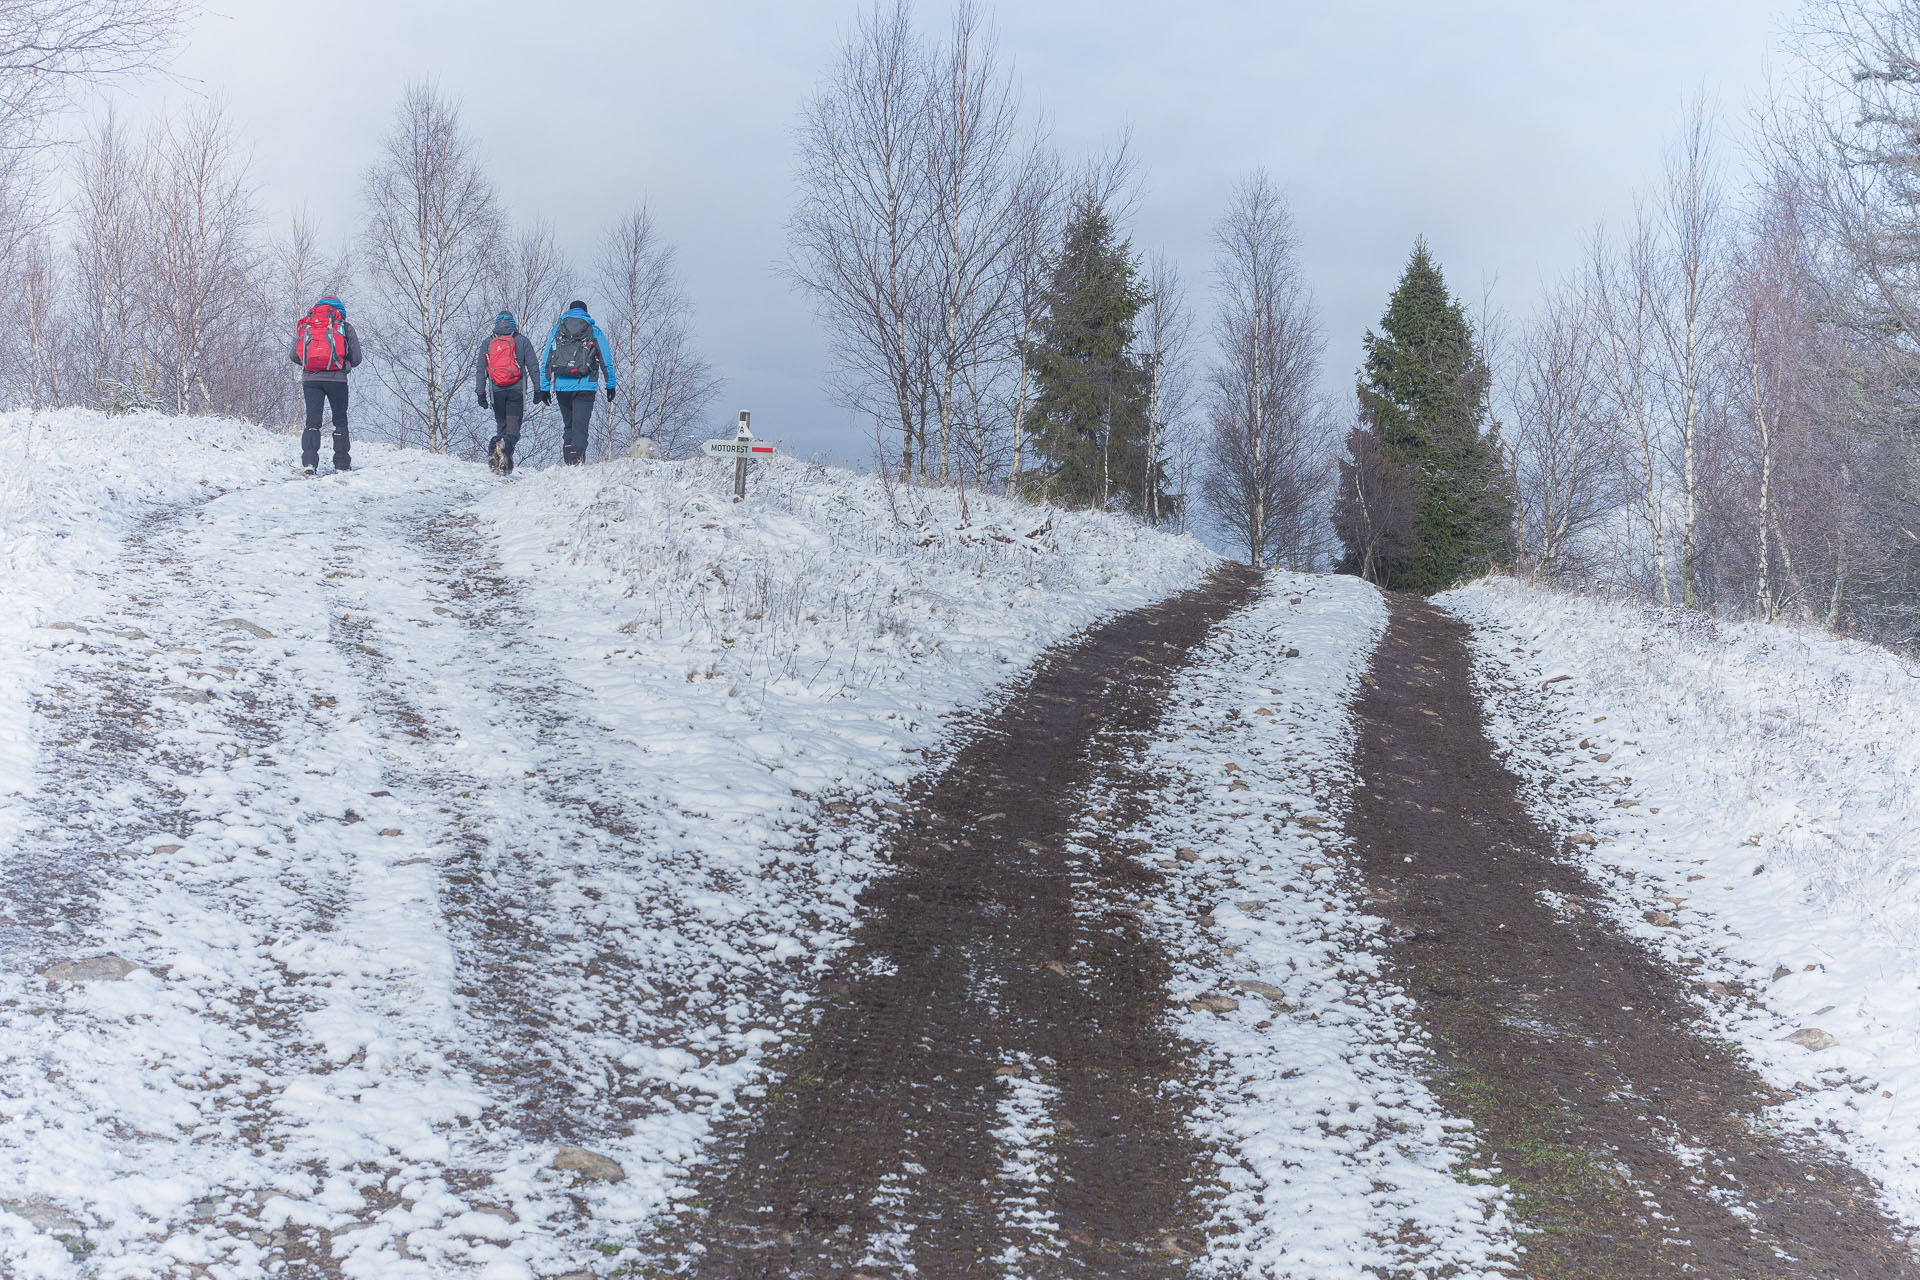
(740, 462)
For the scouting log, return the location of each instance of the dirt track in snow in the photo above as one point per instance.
(1635, 1143)
(986, 949)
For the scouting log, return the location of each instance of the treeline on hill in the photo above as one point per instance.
(988, 314)
(158, 286)
(1720, 410)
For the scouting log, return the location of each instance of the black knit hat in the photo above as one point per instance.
(576, 305)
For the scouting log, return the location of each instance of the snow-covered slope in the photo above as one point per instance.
(1756, 792)
(440, 821)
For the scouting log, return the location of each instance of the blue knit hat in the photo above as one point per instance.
(335, 303)
(507, 316)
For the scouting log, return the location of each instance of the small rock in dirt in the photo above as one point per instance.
(1055, 967)
(1780, 971)
(1584, 839)
(1186, 855)
(189, 695)
(1010, 1072)
(1601, 757)
(253, 629)
(1238, 785)
(1294, 653)
(1716, 988)
(1167, 864)
(1658, 918)
(1214, 1004)
(589, 1165)
(1550, 680)
(391, 831)
(1265, 990)
(67, 626)
(1251, 904)
(1812, 1039)
(164, 849)
(104, 968)
(1293, 600)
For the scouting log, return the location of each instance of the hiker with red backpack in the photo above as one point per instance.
(506, 364)
(576, 353)
(327, 349)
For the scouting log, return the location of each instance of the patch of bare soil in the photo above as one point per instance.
(1636, 1145)
(978, 959)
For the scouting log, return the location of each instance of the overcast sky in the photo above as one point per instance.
(1500, 129)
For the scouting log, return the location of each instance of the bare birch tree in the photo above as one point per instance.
(427, 252)
(1623, 296)
(1559, 457)
(1268, 462)
(1688, 275)
(858, 237)
(665, 385)
(200, 268)
(1165, 339)
(979, 175)
(109, 177)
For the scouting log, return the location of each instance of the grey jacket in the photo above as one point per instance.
(333, 375)
(522, 351)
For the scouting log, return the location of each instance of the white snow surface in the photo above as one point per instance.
(1759, 787)
(1337, 1160)
(444, 820)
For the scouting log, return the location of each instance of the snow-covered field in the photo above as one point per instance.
(1338, 1161)
(1755, 796)
(428, 823)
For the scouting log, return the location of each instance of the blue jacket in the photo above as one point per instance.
(577, 384)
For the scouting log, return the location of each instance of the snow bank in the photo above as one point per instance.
(828, 603)
(1757, 786)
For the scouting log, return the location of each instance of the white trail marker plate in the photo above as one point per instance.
(736, 448)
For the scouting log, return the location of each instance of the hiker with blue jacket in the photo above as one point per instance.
(506, 364)
(327, 349)
(576, 355)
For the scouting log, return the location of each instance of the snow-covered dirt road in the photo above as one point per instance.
(407, 874)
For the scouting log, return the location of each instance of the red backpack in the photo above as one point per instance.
(503, 364)
(320, 341)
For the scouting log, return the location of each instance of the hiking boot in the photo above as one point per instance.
(496, 461)
(309, 469)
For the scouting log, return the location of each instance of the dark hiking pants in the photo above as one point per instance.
(576, 412)
(509, 406)
(319, 394)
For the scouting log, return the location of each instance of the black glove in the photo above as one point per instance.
(481, 396)
(543, 397)
(610, 391)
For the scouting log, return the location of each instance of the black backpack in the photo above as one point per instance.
(575, 354)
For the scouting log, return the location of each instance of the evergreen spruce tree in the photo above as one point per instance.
(1089, 426)
(1423, 398)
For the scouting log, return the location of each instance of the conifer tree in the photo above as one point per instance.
(1423, 401)
(1090, 430)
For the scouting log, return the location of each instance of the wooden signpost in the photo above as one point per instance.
(741, 448)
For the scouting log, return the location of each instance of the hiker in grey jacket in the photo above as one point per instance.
(327, 349)
(506, 364)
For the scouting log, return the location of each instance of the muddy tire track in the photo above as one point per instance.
(1636, 1145)
(978, 958)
